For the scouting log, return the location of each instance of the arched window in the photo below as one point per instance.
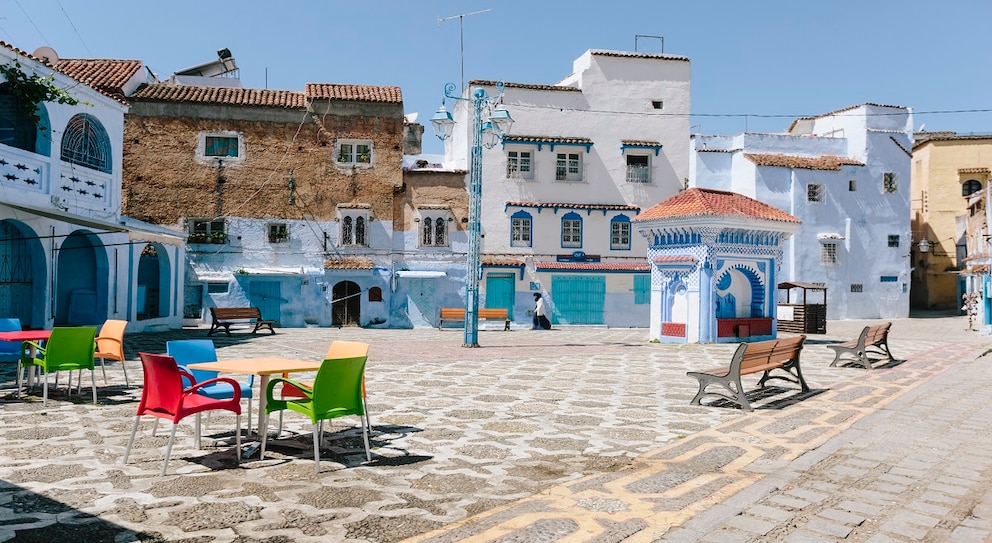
(375, 294)
(571, 230)
(439, 231)
(520, 229)
(428, 235)
(85, 142)
(347, 231)
(970, 187)
(434, 232)
(17, 128)
(360, 231)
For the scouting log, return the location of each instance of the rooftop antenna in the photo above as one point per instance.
(461, 31)
(638, 36)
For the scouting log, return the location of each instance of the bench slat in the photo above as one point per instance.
(489, 313)
(223, 318)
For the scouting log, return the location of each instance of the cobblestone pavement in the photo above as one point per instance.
(579, 434)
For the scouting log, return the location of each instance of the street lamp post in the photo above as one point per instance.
(490, 123)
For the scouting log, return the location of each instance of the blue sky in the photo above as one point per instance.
(756, 64)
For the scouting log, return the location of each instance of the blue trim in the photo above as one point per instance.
(655, 148)
(540, 144)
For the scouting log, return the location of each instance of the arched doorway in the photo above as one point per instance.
(153, 283)
(22, 273)
(346, 306)
(81, 281)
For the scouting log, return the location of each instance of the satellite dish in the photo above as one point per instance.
(411, 117)
(47, 54)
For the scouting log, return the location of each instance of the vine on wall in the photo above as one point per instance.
(33, 89)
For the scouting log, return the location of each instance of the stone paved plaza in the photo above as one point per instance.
(523, 439)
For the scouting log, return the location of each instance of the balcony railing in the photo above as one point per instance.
(638, 174)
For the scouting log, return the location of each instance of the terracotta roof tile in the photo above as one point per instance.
(360, 93)
(634, 54)
(640, 143)
(974, 170)
(348, 264)
(492, 261)
(24, 53)
(491, 83)
(825, 162)
(594, 266)
(514, 138)
(564, 205)
(164, 92)
(697, 202)
(107, 75)
(841, 110)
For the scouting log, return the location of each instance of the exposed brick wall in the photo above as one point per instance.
(431, 188)
(163, 182)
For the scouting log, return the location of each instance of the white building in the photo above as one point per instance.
(846, 175)
(583, 157)
(69, 257)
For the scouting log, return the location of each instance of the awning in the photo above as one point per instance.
(136, 230)
(88, 222)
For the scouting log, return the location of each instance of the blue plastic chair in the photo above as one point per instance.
(189, 351)
(10, 351)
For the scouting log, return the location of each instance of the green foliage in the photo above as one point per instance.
(33, 89)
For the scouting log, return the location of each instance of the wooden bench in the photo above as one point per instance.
(874, 337)
(457, 314)
(760, 356)
(225, 317)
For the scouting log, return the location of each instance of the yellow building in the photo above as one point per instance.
(947, 169)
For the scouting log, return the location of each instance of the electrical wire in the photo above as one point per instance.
(59, 2)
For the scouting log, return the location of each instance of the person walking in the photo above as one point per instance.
(541, 321)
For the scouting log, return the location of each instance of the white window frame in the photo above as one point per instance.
(431, 217)
(568, 166)
(354, 152)
(348, 230)
(278, 232)
(201, 147)
(638, 173)
(211, 228)
(521, 231)
(571, 233)
(617, 238)
(520, 164)
(814, 193)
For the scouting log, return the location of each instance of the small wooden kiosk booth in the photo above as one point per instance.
(804, 318)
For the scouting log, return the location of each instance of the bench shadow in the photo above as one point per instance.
(67, 522)
(888, 364)
(763, 395)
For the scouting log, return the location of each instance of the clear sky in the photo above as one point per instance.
(756, 64)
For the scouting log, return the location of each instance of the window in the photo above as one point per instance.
(620, 233)
(569, 167)
(17, 128)
(828, 253)
(857, 287)
(433, 231)
(571, 230)
(520, 229)
(354, 152)
(888, 279)
(657, 104)
(207, 231)
(638, 169)
(375, 294)
(86, 143)
(852, 185)
(889, 183)
(970, 187)
(353, 230)
(519, 165)
(814, 192)
(893, 240)
(224, 146)
(278, 233)
(217, 288)
(642, 289)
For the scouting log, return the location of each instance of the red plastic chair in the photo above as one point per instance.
(163, 396)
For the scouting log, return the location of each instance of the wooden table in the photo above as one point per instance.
(26, 335)
(264, 368)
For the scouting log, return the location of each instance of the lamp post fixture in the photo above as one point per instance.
(490, 123)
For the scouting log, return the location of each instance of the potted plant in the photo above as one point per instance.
(278, 237)
(198, 237)
(218, 237)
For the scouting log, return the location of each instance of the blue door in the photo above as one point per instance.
(578, 299)
(420, 301)
(499, 292)
(267, 297)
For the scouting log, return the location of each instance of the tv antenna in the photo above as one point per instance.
(461, 31)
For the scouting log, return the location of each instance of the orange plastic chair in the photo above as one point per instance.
(110, 344)
(164, 396)
(338, 349)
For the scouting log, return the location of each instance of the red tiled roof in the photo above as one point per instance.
(359, 93)
(825, 162)
(348, 264)
(616, 207)
(24, 53)
(631, 54)
(593, 266)
(164, 92)
(491, 83)
(697, 202)
(548, 139)
(502, 262)
(675, 259)
(107, 75)
(973, 170)
(640, 143)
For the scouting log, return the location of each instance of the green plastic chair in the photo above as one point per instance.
(69, 348)
(336, 392)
